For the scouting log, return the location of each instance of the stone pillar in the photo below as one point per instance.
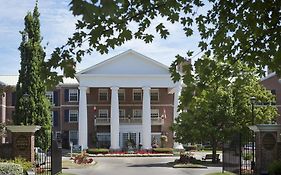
(3, 113)
(83, 119)
(146, 119)
(114, 121)
(177, 93)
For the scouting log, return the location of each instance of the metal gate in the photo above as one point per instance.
(239, 153)
(49, 163)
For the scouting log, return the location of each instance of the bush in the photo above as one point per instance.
(98, 151)
(83, 158)
(162, 150)
(26, 165)
(10, 169)
(275, 168)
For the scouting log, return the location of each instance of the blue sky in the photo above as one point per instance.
(57, 24)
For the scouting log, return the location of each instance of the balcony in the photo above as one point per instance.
(126, 120)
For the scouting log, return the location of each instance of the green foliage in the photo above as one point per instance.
(162, 150)
(232, 30)
(32, 106)
(10, 169)
(98, 151)
(218, 102)
(26, 165)
(275, 167)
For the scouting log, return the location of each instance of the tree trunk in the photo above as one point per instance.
(214, 151)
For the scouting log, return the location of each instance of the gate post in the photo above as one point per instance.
(23, 141)
(266, 147)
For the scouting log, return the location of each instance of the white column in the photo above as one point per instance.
(83, 119)
(146, 119)
(176, 113)
(114, 121)
(3, 112)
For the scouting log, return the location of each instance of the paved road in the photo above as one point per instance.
(138, 166)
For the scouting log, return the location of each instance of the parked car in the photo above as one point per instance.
(40, 156)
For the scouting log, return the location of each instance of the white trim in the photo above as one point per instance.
(102, 91)
(272, 74)
(120, 55)
(104, 110)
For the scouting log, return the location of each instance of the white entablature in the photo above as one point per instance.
(128, 69)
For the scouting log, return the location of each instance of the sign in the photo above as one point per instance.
(22, 143)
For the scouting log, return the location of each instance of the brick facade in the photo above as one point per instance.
(272, 83)
(61, 107)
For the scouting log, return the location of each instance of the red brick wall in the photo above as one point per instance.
(273, 84)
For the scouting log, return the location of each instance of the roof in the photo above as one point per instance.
(126, 64)
(11, 80)
(268, 76)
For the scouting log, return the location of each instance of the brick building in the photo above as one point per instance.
(273, 83)
(128, 97)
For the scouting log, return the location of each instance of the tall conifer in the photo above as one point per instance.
(32, 106)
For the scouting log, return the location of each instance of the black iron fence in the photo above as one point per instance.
(48, 163)
(239, 154)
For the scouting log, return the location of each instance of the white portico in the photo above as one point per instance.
(129, 69)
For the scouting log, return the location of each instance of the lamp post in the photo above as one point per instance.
(253, 101)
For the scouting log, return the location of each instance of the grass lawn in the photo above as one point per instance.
(66, 174)
(219, 173)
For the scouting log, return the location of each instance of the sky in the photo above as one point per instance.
(58, 24)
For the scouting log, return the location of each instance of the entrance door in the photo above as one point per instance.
(129, 139)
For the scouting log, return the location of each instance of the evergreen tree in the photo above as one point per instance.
(32, 106)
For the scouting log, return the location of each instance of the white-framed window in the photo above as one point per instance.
(121, 94)
(154, 94)
(137, 113)
(103, 113)
(58, 135)
(103, 94)
(154, 113)
(73, 94)
(73, 115)
(137, 94)
(121, 113)
(73, 137)
(103, 140)
(50, 96)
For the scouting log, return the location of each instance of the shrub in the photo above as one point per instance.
(26, 165)
(98, 151)
(10, 169)
(162, 150)
(275, 168)
(82, 158)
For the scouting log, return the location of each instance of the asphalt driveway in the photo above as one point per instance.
(138, 166)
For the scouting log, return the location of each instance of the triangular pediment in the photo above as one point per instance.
(128, 63)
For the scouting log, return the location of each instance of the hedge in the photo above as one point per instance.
(162, 150)
(10, 169)
(98, 151)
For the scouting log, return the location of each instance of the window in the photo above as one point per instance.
(103, 113)
(103, 140)
(73, 137)
(121, 94)
(52, 117)
(273, 92)
(154, 95)
(103, 94)
(58, 135)
(73, 115)
(137, 94)
(121, 113)
(137, 113)
(154, 113)
(73, 94)
(50, 96)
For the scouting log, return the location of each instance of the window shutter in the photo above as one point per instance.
(66, 115)
(56, 98)
(13, 98)
(78, 95)
(66, 95)
(56, 118)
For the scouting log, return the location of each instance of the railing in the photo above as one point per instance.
(126, 120)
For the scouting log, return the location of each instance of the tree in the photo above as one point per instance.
(32, 106)
(243, 30)
(216, 107)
